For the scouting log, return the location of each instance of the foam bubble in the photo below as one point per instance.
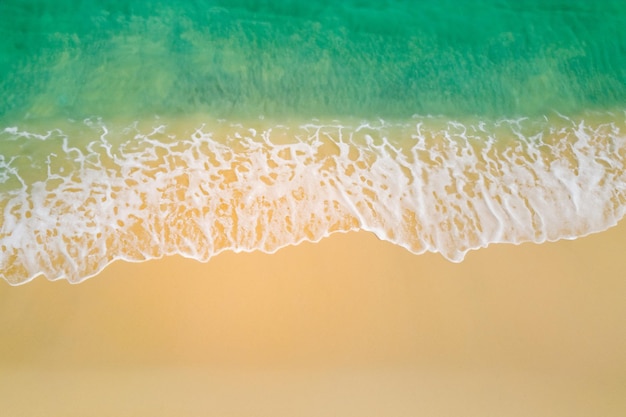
(87, 194)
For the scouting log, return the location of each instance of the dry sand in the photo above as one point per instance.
(350, 326)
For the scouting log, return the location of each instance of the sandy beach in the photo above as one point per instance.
(347, 326)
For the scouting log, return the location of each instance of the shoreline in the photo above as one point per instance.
(445, 191)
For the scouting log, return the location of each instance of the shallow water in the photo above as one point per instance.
(133, 130)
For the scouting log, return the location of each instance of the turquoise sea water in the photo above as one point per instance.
(136, 129)
(316, 58)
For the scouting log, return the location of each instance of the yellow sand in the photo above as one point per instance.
(350, 326)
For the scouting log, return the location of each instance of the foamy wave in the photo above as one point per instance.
(73, 200)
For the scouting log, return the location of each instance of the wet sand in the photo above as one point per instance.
(350, 326)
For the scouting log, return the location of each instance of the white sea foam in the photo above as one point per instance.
(73, 200)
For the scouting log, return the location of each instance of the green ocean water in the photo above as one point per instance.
(139, 129)
(310, 58)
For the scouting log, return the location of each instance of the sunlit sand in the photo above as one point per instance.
(350, 325)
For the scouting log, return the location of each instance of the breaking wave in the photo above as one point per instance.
(75, 198)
